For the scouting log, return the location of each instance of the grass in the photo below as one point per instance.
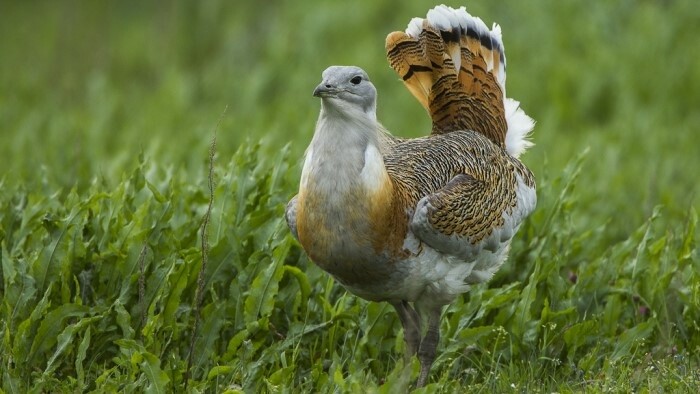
(108, 111)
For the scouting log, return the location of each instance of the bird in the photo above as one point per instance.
(416, 222)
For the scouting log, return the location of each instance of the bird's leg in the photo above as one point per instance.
(428, 346)
(411, 327)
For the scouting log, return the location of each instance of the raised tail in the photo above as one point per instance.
(456, 68)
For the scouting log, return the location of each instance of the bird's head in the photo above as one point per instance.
(348, 88)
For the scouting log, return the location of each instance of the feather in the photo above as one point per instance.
(477, 56)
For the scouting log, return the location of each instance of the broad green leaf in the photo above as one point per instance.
(219, 370)
(261, 299)
(80, 358)
(123, 320)
(524, 326)
(234, 344)
(47, 267)
(178, 278)
(65, 341)
(156, 193)
(220, 257)
(213, 319)
(9, 272)
(580, 334)
(302, 280)
(639, 263)
(470, 336)
(282, 377)
(51, 325)
(400, 378)
(157, 378)
(631, 338)
(26, 330)
(688, 238)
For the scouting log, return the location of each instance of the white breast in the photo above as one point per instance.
(373, 173)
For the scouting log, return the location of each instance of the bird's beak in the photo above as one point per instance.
(324, 89)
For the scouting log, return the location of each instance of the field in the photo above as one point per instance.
(128, 266)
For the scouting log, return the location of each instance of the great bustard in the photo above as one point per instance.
(416, 222)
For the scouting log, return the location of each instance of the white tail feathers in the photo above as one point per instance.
(462, 23)
(519, 128)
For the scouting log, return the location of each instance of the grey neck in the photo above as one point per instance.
(341, 138)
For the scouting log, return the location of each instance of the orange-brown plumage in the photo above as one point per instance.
(467, 96)
(415, 222)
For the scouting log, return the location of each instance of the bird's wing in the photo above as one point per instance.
(291, 216)
(462, 219)
(468, 194)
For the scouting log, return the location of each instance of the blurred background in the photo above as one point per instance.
(86, 87)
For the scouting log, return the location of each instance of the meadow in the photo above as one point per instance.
(140, 256)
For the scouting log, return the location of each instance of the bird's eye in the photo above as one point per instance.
(356, 80)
